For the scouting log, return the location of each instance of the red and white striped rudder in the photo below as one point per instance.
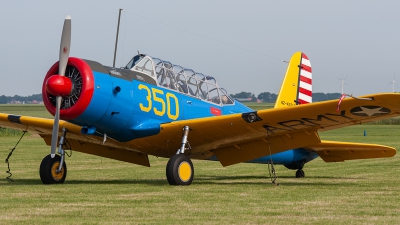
(305, 81)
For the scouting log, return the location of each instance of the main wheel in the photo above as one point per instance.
(300, 173)
(180, 170)
(48, 170)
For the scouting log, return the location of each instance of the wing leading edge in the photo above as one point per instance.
(90, 144)
(237, 138)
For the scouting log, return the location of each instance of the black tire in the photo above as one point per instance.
(180, 170)
(300, 173)
(48, 169)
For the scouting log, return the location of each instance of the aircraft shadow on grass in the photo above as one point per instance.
(205, 180)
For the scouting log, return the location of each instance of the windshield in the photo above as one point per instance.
(134, 61)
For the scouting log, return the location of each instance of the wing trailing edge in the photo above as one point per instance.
(269, 145)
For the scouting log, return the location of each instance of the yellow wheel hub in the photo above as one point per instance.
(184, 171)
(57, 176)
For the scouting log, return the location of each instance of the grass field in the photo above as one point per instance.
(103, 191)
(27, 110)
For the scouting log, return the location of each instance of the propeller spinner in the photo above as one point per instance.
(59, 85)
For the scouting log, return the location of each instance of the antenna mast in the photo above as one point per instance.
(116, 39)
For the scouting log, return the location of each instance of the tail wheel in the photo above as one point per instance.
(180, 170)
(48, 170)
(300, 173)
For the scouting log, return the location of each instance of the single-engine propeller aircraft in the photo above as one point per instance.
(154, 107)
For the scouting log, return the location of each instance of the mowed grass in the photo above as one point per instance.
(259, 105)
(35, 110)
(104, 191)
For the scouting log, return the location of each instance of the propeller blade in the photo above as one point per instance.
(54, 134)
(65, 46)
(63, 61)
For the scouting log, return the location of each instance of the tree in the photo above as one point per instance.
(267, 97)
(242, 95)
(3, 99)
(6, 99)
(318, 96)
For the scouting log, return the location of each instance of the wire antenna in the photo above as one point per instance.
(116, 38)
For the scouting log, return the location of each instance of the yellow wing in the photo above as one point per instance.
(90, 144)
(233, 138)
(242, 137)
(331, 151)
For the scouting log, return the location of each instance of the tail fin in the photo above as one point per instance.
(297, 85)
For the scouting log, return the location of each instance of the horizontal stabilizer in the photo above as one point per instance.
(331, 151)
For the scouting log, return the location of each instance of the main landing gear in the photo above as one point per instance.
(54, 170)
(180, 169)
(49, 172)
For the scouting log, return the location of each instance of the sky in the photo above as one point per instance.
(240, 43)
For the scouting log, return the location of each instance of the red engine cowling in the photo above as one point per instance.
(75, 103)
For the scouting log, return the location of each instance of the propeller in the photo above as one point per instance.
(60, 80)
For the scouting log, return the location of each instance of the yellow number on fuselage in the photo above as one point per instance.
(155, 95)
(168, 96)
(142, 107)
(160, 100)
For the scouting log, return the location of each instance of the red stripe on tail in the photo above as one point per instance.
(306, 68)
(306, 80)
(305, 91)
(300, 101)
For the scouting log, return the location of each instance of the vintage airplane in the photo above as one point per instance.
(153, 107)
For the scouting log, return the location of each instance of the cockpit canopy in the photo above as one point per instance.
(180, 79)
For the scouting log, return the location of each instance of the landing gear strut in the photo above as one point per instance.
(180, 169)
(53, 170)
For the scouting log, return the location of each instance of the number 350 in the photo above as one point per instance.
(153, 95)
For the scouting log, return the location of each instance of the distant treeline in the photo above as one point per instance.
(271, 97)
(8, 99)
(265, 97)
